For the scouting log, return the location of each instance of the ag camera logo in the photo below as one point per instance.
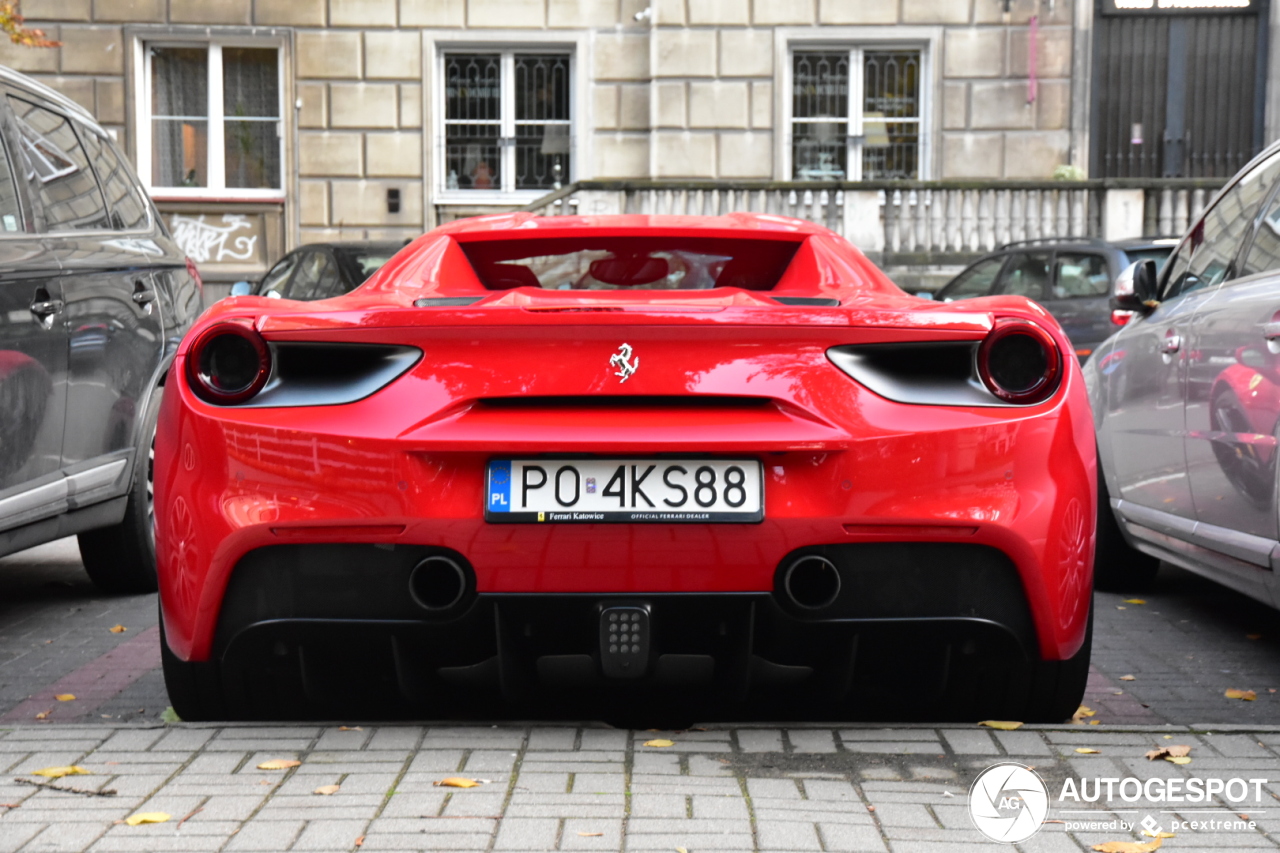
(1008, 802)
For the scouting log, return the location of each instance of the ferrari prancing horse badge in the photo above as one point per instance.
(622, 360)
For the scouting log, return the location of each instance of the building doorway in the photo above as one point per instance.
(1178, 91)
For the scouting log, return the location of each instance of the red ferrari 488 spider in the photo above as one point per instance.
(636, 467)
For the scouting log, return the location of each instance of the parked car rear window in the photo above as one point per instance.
(361, 264)
(124, 205)
(647, 263)
(68, 191)
(10, 210)
(1080, 275)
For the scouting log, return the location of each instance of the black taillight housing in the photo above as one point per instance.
(1020, 362)
(228, 363)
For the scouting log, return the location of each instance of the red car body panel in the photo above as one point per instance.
(842, 464)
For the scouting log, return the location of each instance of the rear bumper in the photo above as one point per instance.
(916, 630)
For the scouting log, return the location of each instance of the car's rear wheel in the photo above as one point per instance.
(1116, 566)
(195, 690)
(1057, 686)
(122, 558)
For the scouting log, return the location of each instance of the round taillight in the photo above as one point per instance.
(1020, 362)
(228, 364)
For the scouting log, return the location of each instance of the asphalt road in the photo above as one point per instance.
(1184, 647)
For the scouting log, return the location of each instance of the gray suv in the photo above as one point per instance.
(94, 297)
(1186, 401)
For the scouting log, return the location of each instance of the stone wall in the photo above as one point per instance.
(691, 89)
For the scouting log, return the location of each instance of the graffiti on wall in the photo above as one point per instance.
(235, 238)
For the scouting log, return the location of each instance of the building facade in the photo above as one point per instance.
(262, 124)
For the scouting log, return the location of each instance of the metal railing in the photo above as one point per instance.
(916, 222)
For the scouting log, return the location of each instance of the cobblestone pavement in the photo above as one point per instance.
(589, 787)
(570, 788)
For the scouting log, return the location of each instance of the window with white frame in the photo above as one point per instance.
(210, 120)
(855, 114)
(507, 120)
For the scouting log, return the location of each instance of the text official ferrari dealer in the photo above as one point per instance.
(641, 466)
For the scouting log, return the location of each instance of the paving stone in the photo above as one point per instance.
(970, 742)
(760, 740)
(811, 740)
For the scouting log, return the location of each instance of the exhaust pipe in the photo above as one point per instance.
(437, 583)
(811, 582)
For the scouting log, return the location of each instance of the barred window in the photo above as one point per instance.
(855, 114)
(213, 119)
(507, 121)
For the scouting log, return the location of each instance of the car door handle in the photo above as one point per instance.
(141, 294)
(46, 307)
(1172, 342)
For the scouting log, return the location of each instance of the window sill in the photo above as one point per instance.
(168, 194)
(494, 197)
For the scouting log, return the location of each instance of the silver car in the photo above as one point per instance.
(1186, 401)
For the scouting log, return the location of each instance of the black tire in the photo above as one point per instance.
(195, 688)
(1116, 566)
(1057, 686)
(121, 559)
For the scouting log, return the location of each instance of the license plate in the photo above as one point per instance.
(588, 491)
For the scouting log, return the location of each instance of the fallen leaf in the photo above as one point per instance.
(65, 697)
(1002, 725)
(659, 742)
(1082, 712)
(169, 715)
(1117, 692)
(350, 728)
(44, 714)
(279, 764)
(1168, 737)
(1158, 834)
(1084, 750)
(117, 629)
(1173, 750)
(1127, 678)
(326, 790)
(457, 782)
(1095, 722)
(871, 808)
(59, 772)
(1135, 601)
(591, 834)
(1121, 607)
(681, 850)
(1129, 846)
(1178, 759)
(1253, 636)
(1246, 695)
(146, 817)
(360, 841)
(266, 782)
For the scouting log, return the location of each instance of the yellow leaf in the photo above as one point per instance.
(146, 817)
(1002, 725)
(1095, 722)
(1083, 711)
(117, 629)
(278, 764)
(591, 834)
(65, 697)
(1158, 834)
(681, 850)
(1129, 846)
(59, 772)
(1246, 695)
(350, 728)
(1127, 678)
(1178, 759)
(659, 742)
(326, 790)
(1084, 750)
(42, 715)
(457, 782)
(1135, 601)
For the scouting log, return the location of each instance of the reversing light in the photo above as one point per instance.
(1019, 362)
(228, 364)
(1121, 318)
